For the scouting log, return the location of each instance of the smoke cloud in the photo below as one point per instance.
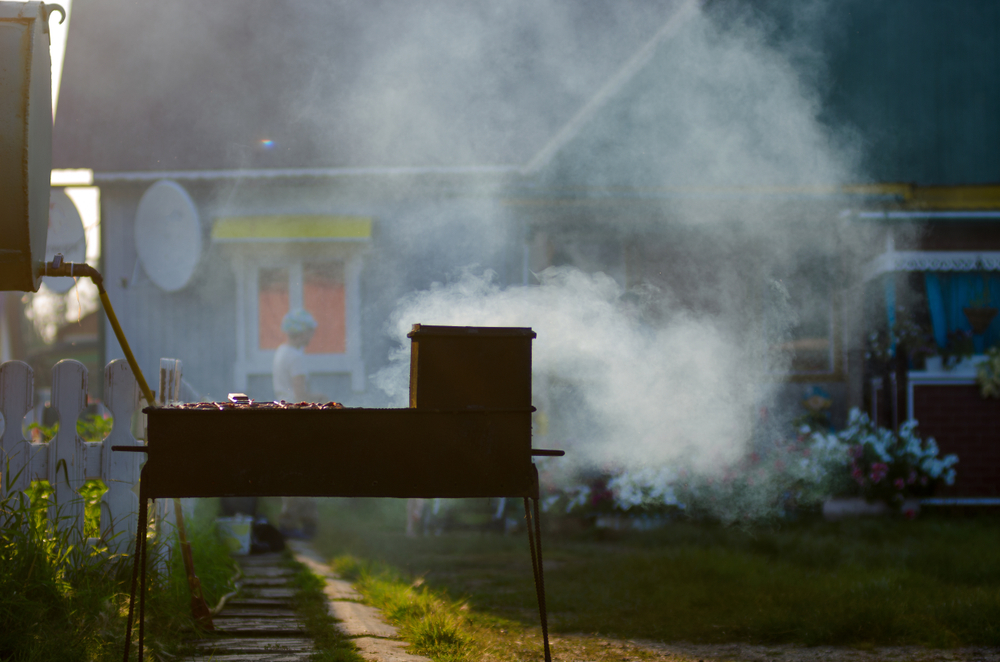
(675, 372)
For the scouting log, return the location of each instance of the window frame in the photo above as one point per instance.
(836, 372)
(252, 361)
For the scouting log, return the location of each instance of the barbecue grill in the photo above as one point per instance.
(467, 433)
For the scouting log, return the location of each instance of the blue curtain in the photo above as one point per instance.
(949, 292)
(889, 285)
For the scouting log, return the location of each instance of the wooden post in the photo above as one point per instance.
(170, 389)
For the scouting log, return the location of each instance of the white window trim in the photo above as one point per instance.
(252, 361)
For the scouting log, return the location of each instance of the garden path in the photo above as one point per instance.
(260, 624)
(376, 640)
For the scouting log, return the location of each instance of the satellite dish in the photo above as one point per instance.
(168, 235)
(66, 236)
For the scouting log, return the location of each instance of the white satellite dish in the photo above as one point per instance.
(168, 235)
(66, 236)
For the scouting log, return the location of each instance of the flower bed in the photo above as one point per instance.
(778, 480)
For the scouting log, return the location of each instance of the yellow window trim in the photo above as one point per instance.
(292, 228)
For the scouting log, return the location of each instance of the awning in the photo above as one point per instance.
(280, 228)
(892, 261)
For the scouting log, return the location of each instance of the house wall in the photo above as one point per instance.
(421, 235)
(194, 325)
(964, 423)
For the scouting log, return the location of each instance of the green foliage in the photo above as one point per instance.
(889, 466)
(170, 597)
(59, 600)
(988, 374)
(90, 427)
(960, 346)
(63, 601)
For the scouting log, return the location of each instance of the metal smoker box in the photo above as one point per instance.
(468, 367)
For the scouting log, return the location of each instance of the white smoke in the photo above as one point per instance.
(642, 393)
(638, 377)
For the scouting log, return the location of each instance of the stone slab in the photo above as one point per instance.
(280, 625)
(258, 560)
(274, 593)
(259, 603)
(239, 645)
(338, 589)
(359, 620)
(259, 582)
(386, 650)
(266, 571)
(255, 612)
(253, 657)
(304, 552)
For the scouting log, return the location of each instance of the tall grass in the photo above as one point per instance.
(58, 600)
(61, 601)
(432, 623)
(171, 627)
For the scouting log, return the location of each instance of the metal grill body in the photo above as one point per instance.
(467, 433)
(243, 451)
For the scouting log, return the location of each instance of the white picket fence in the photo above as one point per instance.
(66, 461)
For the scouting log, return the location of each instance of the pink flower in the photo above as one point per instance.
(879, 470)
(910, 513)
(858, 474)
(899, 483)
(912, 478)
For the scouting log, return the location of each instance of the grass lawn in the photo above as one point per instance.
(932, 581)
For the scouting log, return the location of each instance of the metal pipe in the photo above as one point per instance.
(73, 270)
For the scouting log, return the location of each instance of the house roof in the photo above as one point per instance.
(804, 94)
(259, 84)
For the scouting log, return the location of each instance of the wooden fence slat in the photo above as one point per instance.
(16, 399)
(66, 460)
(120, 504)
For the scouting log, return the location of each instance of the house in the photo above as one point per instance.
(884, 207)
(331, 155)
(794, 175)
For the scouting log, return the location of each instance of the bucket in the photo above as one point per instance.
(236, 533)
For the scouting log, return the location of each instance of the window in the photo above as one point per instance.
(315, 286)
(323, 296)
(286, 262)
(802, 324)
(272, 306)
